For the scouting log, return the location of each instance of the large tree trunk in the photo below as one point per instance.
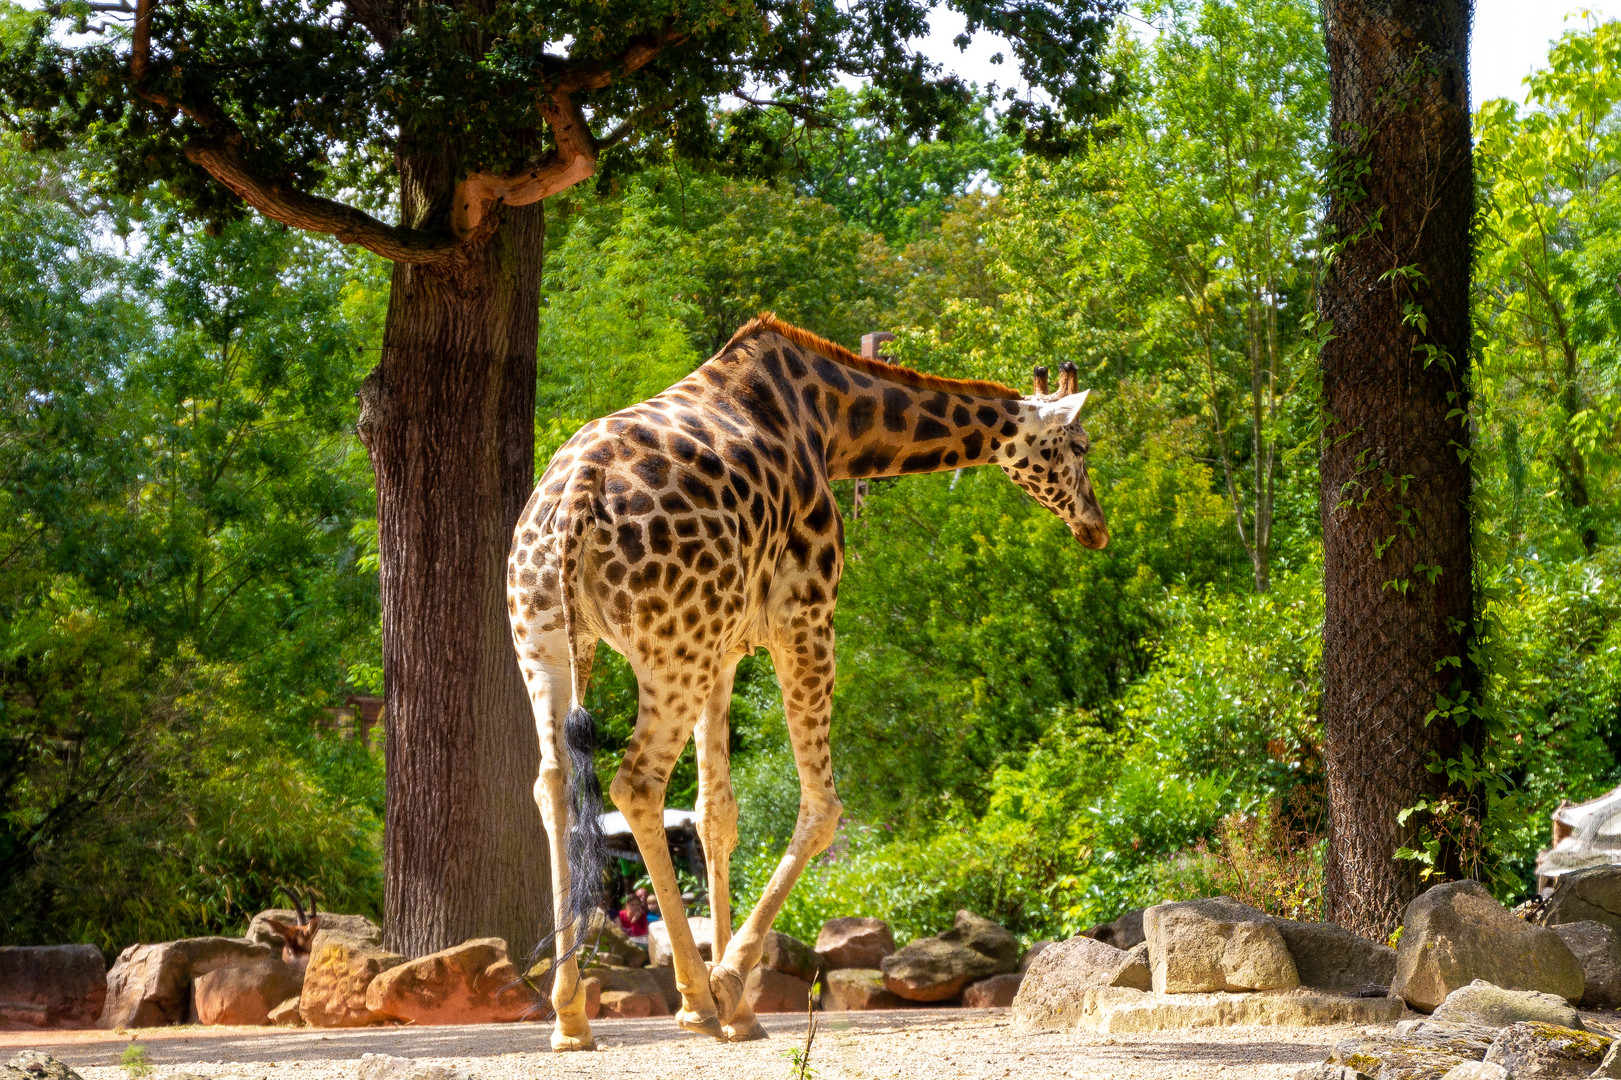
(1392, 473)
(448, 417)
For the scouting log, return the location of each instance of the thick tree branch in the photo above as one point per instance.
(574, 160)
(222, 159)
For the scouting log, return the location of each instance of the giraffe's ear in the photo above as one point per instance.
(1065, 409)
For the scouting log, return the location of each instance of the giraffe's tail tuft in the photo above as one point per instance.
(587, 847)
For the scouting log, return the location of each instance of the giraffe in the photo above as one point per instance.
(692, 528)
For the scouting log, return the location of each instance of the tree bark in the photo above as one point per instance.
(448, 418)
(1395, 480)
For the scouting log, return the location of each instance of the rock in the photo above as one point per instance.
(996, 992)
(355, 927)
(387, 1067)
(932, 969)
(1442, 1031)
(1611, 1065)
(768, 990)
(858, 990)
(66, 984)
(629, 992)
(1478, 1070)
(1591, 895)
(1324, 1071)
(1126, 932)
(1333, 959)
(664, 979)
(1117, 1010)
(607, 945)
(1455, 933)
(1491, 1006)
(1411, 1056)
(245, 994)
(335, 983)
(592, 989)
(150, 985)
(1216, 944)
(1036, 949)
(1597, 948)
(286, 1014)
(779, 952)
(984, 937)
(40, 1066)
(1051, 994)
(857, 942)
(470, 983)
(1534, 1051)
(658, 940)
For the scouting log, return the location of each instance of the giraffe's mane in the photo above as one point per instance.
(766, 322)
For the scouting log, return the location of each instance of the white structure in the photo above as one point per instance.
(1584, 834)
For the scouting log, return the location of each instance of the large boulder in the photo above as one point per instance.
(150, 985)
(1335, 960)
(246, 993)
(659, 953)
(36, 1065)
(996, 992)
(1455, 933)
(606, 944)
(1424, 1054)
(1597, 948)
(340, 971)
(470, 983)
(767, 990)
(1217, 944)
(1037, 947)
(855, 942)
(858, 990)
(1591, 895)
(938, 968)
(1126, 932)
(1533, 1051)
(57, 986)
(357, 927)
(779, 952)
(1054, 985)
(635, 984)
(1491, 1006)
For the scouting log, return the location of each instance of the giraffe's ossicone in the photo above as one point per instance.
(694, 527)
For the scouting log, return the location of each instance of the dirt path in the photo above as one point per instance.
(934, 1044)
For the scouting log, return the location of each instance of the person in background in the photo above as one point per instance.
(633, 917)
(651, 903)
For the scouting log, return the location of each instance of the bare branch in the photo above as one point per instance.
(574, 160)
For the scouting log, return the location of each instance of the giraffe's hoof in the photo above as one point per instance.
(745, 1032)
(562, 1043)
(727, 987)
(702, 1023)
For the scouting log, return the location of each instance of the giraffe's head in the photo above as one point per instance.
(1048, 459)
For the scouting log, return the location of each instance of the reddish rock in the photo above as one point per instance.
(857, 942)
(623, 990)
(150, 985)
(470, 983)
(996, 992)
(858, 990)
(286, 1014)
(244, 994)
(341, 969)
(631, 1004)
(768, 991)
(789, 955)
(56, 986)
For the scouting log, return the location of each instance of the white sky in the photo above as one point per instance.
(1510, 38)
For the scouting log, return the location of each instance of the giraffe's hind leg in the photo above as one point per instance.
(544, 660)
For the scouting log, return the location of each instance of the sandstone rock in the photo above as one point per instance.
(1333, 959)
(40, 1066)
(607, 945)
(1478, 1070)
(1597, 949)
(1324, 1071)
(335, 983)
(984, 937)
(150, 985)
(1216, 944)
(244, 994)
(286, 1014)
(1036, 949)
(1411, 1056)
(779, 952)
(355, 927)
(470, 983)
(387, 1067)
(1456, 933)
(1443, 1030)
(1533, 1051)
(1592, 895)
(1611, 1065)
(1117, 1010)
(658, 940)
(592, 988)
(66, 985)
(768, 990)
(1491, 1006)
(1051, 993)
(625, 990)
(858, 990)
(664, 979)
(857, 942)
(931, 969)
(996, 992)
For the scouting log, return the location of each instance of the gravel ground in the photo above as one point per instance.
(934, 1044)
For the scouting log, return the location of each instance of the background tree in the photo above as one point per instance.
(471, 113)
(1398, 676)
